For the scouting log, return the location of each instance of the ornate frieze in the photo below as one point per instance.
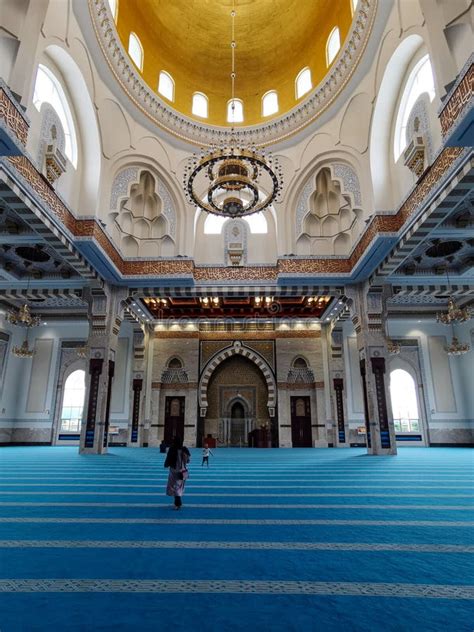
(12, 115)
(459, 99)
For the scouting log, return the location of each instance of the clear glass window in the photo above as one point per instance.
(303, 82)
(333, 45)
(269, 103)
(200, 105)
(49, 90)
(73, 401)
(113, 4)
(235, 111)
(419, 81)
(166, 86)
(135, 50)
(404, 401)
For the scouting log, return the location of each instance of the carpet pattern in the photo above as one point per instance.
(267, 540)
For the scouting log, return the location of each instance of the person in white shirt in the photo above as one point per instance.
(205, 455)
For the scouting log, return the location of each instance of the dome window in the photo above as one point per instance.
(419, 81)
(135, 50)
(113, 4)
(49, 90)
(333, 45)
(200, 105)
(166, 86)
(235, 111)
(303, 83)
(270, 103)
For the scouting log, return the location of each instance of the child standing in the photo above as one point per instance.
(205, 455)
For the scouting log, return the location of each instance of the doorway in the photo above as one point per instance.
(174, 419)
(405, 409)
(238, 435)
(301, 422)
(72, 406)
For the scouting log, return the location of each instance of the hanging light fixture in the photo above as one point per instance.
(24, 350)
(233, 179)
(22, 317)
(456, 348)
(454, 314)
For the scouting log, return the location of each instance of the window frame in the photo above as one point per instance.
(135, 37)
(206, 100)
(265, 97)
(229, 109)
(298, 80)
(166, 75)
(65, 116)
(335, 31)
(407, 101)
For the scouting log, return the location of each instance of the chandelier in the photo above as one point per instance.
(24, 351)
(232, 179)
(457, 348)
(393, 347)
(23, 317)
(454, 314)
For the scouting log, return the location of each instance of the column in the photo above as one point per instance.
(337, 374)
(105, 317)
(329, 416)
(136, 426)
(368, 306)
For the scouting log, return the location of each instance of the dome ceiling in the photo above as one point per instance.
(190, 39)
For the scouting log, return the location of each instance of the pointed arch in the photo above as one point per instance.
(237, 349)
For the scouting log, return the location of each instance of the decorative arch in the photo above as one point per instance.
(238, 349)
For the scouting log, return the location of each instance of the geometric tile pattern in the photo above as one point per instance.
(249, 546)
(419, 591)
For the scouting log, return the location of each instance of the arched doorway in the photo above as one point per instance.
(405, 409)
(72, 407)
(237, 397)
(238, 434)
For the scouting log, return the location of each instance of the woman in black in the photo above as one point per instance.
(177, 459)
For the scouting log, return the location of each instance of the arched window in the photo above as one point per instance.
(303, 82)
(49, 90)
(257, 223)
(419, 81)
(235, 114)
(135, 50)
(269, 103)
(404, 402)
(113, 4)
(166, 85)
(200, 105)
(333, 45)
(354, 4)
(175, 363)
(300, 363)
(73, 401)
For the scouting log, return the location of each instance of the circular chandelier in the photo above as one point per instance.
(232, 179)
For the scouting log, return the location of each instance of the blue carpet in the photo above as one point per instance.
(267, 540)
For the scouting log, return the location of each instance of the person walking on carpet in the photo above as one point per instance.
(205, 455)
(176, 460)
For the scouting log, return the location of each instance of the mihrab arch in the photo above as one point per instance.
(238, 349)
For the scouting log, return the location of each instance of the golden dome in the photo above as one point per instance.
(190, 40)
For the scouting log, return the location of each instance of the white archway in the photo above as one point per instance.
(405, 408)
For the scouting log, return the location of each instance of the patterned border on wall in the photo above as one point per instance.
(237, 349)
(12, 114)
(22, 169)
(459, 99)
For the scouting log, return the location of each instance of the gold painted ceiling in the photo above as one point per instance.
(190, 39)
